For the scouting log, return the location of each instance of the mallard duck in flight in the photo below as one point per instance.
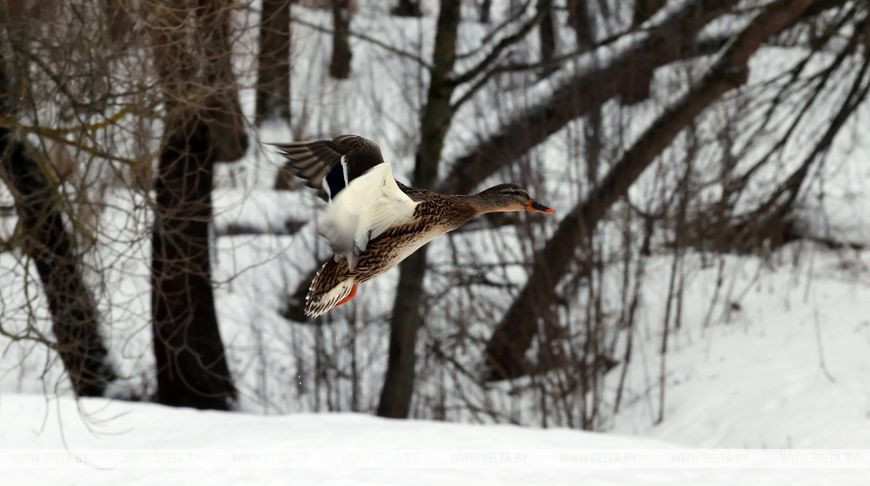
(372, 221)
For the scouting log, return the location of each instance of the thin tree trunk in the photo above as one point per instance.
(46, 242)
(547, 34)
(578, 19)
(54, 252)
(339, 66)
(506, 349)
(273, 68)
(485, 11)
(407, 8)
(398, 387)
(191, 367)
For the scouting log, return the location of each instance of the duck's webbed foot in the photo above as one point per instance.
(349, 297)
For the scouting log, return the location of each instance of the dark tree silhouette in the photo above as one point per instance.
(200, 99)
(339, 65)
(273, 66)
(191, 367)
(46, 241)
(407, 8)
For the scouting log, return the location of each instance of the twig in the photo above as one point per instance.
(383, 45)
(821, 351)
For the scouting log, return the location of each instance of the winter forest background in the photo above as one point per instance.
(705, 280)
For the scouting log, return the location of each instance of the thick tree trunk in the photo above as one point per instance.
(435, 120)
(52, 249)
(191, 367)
(505, 352)
(189, 354)
(273, 68)
(339, 66)
(223, 111)
(194, 64)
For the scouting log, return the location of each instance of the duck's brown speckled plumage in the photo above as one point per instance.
(330, 165)
(435, 215)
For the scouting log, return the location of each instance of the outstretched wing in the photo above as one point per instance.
(330, 165)
(371, 204)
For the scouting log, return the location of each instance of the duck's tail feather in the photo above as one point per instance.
(330, 286)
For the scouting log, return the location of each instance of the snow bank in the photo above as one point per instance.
(42, 442)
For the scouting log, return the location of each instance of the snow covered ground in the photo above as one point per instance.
(780, 362)
(99, 442)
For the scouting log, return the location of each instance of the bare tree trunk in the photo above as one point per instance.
(223, 111)
(398, 387)
(644, 9)
(119, 24)
(547, 33)
(485, 11)
(53, 250)
(578, 19)
(191, 367)
(273, 68)
(407, 8)
(505, 351)
(339, 66)
(73, 310)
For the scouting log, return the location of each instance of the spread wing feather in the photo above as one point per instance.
(330, 165)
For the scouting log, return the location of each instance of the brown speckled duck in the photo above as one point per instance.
(372, 221)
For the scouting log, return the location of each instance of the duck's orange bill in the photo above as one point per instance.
(536, 206)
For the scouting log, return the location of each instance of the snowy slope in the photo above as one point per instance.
(128, 443)
(782, 363)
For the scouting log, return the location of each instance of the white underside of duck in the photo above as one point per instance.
(369, 205)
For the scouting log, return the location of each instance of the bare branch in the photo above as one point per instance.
(505, 351)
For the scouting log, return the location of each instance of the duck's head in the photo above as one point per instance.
(510, 197)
